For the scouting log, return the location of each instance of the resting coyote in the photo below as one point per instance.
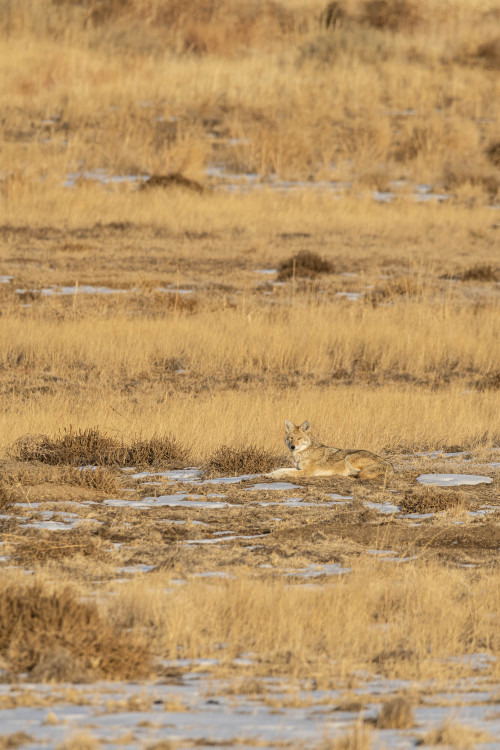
(313, 459)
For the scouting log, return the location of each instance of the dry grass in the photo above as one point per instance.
(396, 713)
(227, 461)
(457, 736)
(358, 738)
(332, 630)
(196, 359)
(431, 500)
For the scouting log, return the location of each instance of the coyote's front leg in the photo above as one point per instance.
(280, 473)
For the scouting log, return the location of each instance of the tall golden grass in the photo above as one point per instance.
(140, 87)
(414, 621)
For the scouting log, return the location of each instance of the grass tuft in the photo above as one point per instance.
(305, 264)
(396, 713)
(358, 738)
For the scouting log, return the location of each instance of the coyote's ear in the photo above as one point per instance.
(305, 426)
(288, 425)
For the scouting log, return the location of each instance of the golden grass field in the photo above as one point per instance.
(322, 244)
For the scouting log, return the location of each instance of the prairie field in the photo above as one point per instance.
(214, 216)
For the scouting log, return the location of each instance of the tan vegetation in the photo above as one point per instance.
(217, 215)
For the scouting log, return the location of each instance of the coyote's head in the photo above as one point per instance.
(297, 438)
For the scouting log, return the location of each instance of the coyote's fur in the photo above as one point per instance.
(313, 459)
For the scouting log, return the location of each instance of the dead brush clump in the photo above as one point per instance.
(479, 272)
(458, 736)
(393, 15)
(396, 713)
(90, 447)
(50, 634)
(431, 500)
(160, 450)
(304, 264)
(71, 447)
(228, 461)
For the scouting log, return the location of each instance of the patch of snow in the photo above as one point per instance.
(383, 507)
(274, 486)
(189, 474)
(166, 500)
(314, 571)
(453, 480)
(230, 480)
(352, 296)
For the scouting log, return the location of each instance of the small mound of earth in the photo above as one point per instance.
(453, 480)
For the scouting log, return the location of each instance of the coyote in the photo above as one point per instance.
(313, 459)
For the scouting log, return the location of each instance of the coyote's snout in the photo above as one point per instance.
(313, 459)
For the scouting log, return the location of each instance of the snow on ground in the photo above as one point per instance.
(205, 711)
(453, 480)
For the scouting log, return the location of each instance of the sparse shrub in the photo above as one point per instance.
(52, 635)
(394, 15)
(91, 447)
(228, 461)
(304, 264)
(396, 713)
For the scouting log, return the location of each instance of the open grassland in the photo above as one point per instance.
(216, 216)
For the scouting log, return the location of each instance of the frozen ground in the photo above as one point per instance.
(214, 713)
(247, 516)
